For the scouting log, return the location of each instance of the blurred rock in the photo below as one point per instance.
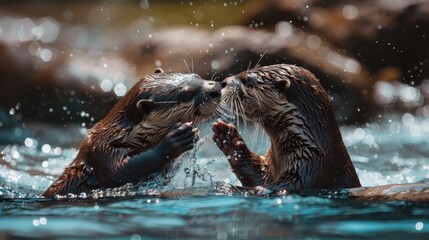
(231, 50)
(379, 33)
(58, 72)
(72, 71)
(63, 89)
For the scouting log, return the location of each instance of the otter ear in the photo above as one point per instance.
(144, 105)
(282, 84)
(159, 70)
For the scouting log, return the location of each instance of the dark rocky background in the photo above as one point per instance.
(70, 61)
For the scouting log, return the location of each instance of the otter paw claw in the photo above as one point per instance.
(230, 142)
(180, 138)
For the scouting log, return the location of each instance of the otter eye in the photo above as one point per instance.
(249, 80)
(223, 84)
(187, 96)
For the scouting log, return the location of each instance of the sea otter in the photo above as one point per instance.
(145, 131)
(307, 150)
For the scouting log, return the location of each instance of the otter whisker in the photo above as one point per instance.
(237, 112)
(222, 108)
(262, 56)
(172, 111)
(165, 102)
(186, 64)
(248, 67)
(256, 135)
(241, 107)
(192, 65)
(258, 97)
(225, 111)
(195, 109)
(242, 111)
(212, 78)
(234, 105)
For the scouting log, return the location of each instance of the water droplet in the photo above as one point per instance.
(43, 220)
(25, 30)
(106, 85)
(15, 154)
(350, 12)
(314, 42)
(50, 30)
(46, 55)
(120, 89)
(36, 222)
(215, 64)
(419, 226)
(407, 119)
(136, 237)
(28, 142)
(45, 164)
(46, 148)
(57, 151)
(359, 133)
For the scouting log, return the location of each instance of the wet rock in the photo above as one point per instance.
(231, 50)
(381, 34)
(402, 192)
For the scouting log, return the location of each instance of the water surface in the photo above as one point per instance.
(392, 151)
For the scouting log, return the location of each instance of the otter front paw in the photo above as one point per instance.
(230, 142)
(179, 139)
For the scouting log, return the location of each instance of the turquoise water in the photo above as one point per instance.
(215, 217)
(393, 151)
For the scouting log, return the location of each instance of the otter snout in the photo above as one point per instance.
(233, 84)
(212, 90)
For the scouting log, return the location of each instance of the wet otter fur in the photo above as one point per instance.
(144, 132)
(289, 103)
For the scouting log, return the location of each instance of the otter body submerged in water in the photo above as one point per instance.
(149, 127)
(307, 150)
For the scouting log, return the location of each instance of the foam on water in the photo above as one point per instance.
(383, 153)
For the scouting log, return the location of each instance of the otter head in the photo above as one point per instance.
(167, 98)
(252, 94)
(263, 92)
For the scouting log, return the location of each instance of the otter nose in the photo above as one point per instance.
(230, 81)
(214, 90)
